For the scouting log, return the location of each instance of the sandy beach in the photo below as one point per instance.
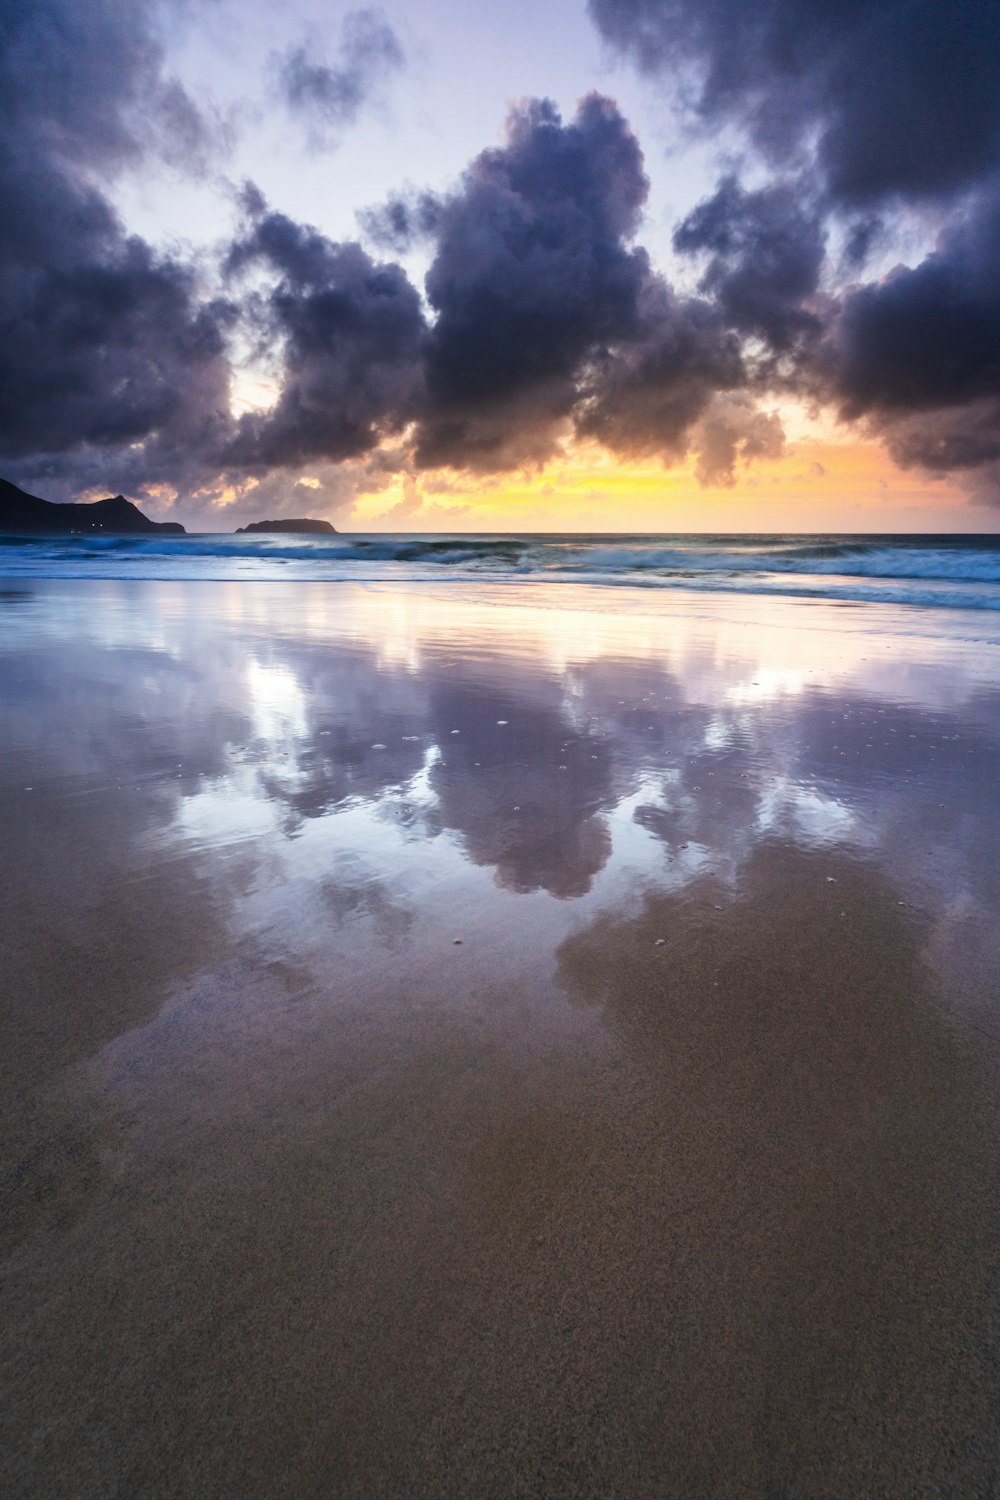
(498, 1042)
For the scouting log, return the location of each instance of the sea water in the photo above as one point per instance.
(949, 572)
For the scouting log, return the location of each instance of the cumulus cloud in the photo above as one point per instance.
(867, 109)
(351, 333)
(926, 337)
(531, 271)
(763, 255)
(114, 358)
(105, 345)
(914, 355)
(645, 394)
(544, 318)
(892, 100)
(734, 430)
(549, 320)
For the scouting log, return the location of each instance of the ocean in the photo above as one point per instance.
(947, 572)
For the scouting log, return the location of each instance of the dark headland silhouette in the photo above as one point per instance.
(31, 516)
(303, 524)
(21, 512)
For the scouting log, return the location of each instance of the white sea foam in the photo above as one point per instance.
(944, 572)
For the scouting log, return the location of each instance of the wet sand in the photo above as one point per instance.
(676, 1176)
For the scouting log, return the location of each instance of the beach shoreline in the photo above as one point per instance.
(465, 1044)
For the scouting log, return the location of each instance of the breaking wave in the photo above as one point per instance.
(948, 572)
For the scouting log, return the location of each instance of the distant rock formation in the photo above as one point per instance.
(27, 514)
(303, 524)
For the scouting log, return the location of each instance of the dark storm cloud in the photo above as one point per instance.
(763, 256)
(917, 354)
(876, 106)
(330, 95)
(929, 336)
(901, 98)
(547, 318)
(645, 394)
(913, 357)
(114, 363)
(85, 84)
(967, 438)
(104, 344)
(114, 366)
(531, 272)
(351, 334)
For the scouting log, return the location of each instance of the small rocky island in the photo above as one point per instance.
(29, 515)
(304, 523)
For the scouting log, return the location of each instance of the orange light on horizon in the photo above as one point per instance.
(821, 483)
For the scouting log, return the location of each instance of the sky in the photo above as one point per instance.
(599, 265)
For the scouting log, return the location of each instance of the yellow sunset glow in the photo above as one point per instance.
(822, 482)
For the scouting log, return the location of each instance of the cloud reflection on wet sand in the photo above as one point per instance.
(674, 1177)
